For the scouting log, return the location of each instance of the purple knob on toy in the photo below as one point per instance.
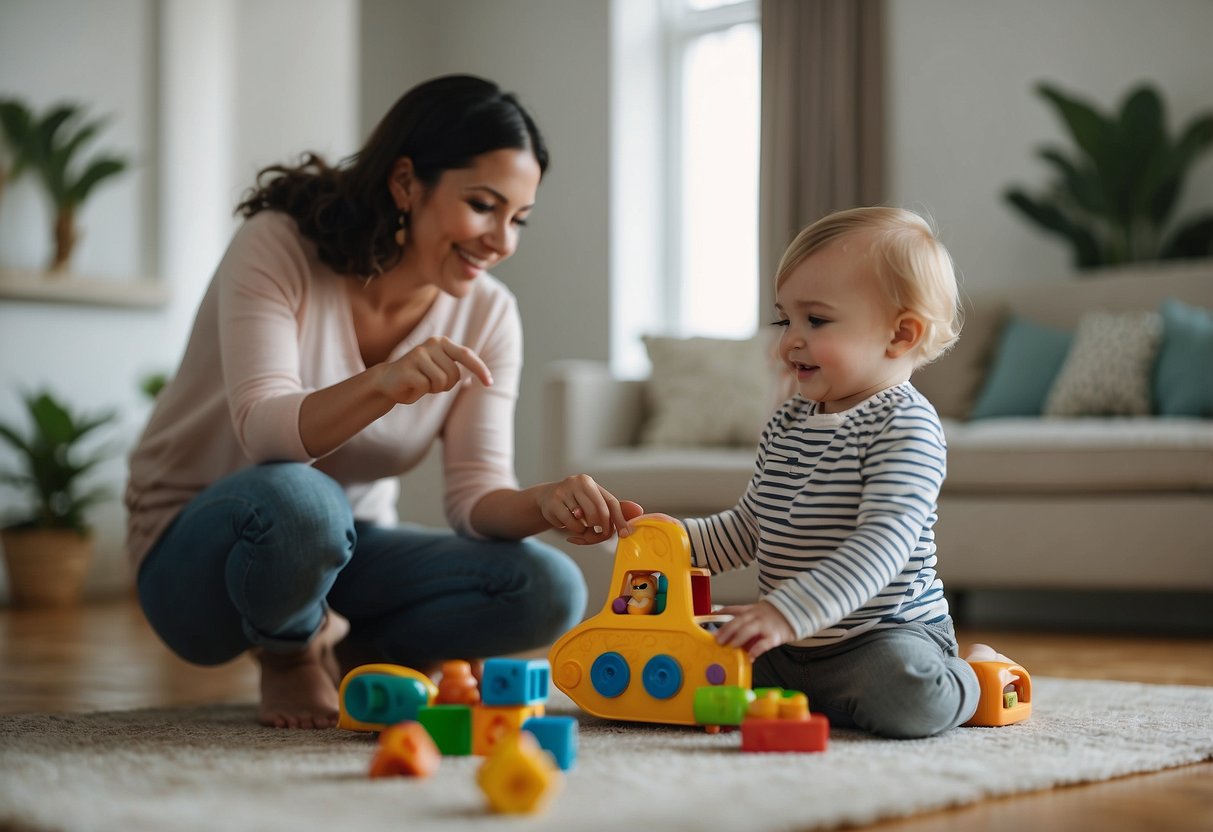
(619, 605)
(715, 674)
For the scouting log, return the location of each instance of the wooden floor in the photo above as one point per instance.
(103, 656)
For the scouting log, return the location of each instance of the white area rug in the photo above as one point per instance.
(212, 768)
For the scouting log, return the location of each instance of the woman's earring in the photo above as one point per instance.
(401, 234)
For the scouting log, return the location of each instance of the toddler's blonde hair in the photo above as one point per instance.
(913, 267)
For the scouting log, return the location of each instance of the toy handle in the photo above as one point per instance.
(1025, 682)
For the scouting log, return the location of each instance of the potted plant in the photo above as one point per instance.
(1113, 195)
(50, 146)
(48, 548)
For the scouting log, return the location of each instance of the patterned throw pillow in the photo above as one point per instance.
(707, 391)
(1108, 371)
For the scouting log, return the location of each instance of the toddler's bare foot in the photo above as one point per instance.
(299, 690)
(978, 652)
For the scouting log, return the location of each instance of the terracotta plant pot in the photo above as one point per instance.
(46, 567)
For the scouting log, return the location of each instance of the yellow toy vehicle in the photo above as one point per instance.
(643, 657)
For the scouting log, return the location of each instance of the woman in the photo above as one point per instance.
(350, 324)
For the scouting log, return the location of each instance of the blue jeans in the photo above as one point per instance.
(257, 558)
(903, 682)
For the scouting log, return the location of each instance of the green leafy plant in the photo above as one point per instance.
(52, 465)
(152, 383)
(16, 123)
(50, 145)
(1113, 195)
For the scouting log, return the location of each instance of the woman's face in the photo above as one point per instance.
(470, 219)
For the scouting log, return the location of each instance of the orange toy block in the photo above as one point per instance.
(405, 750)
(519, 776)
(490, 723)
(993, 708)
(457, 686)
(762, 734)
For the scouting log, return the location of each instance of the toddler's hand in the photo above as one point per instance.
(755, 628)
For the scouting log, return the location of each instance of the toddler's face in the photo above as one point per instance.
(838, 326)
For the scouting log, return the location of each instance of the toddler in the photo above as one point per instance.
(841, 509)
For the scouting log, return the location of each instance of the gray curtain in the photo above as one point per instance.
(822, 118)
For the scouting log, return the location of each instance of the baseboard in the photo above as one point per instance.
(1106, 611)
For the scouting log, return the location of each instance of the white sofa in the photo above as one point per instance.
(1110, 503)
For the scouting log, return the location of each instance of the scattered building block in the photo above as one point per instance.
(557, 735)
(762, 734)
(519, 776)
(405, 750)
(515, 681)
(450, 726)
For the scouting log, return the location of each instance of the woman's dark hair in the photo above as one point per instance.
(347, 209)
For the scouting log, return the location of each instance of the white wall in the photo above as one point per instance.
(202, 95)
(964, 122)
(103, 55)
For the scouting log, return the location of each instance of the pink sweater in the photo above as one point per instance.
(275, 325)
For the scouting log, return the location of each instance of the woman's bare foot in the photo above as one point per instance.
(299, 690)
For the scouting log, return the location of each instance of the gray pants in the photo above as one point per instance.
(905, 682)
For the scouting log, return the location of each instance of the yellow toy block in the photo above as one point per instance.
(996, 708)
(519, 776)
(647, 668)
(490, 723)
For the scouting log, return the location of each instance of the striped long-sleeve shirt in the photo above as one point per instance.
(840, 515)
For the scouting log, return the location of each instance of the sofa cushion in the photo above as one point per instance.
(1105, 454)
(676, 480)
(1028, 357)
(707, 391)
(1108, 369)
(953, 381)
(1183, 376)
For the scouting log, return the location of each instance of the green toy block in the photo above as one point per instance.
(1010, 699)
(450, 726)
(721, 704)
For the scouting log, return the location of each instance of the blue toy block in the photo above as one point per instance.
(556, 734)
(515, 681)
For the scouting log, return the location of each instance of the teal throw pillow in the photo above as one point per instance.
(1183, 375)
(1028, 359)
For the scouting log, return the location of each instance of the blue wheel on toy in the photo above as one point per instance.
(610, 675)
(662, 676)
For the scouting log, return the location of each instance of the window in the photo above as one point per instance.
(712, 159)
(685, 93)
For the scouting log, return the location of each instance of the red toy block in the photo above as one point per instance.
(760, 734)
